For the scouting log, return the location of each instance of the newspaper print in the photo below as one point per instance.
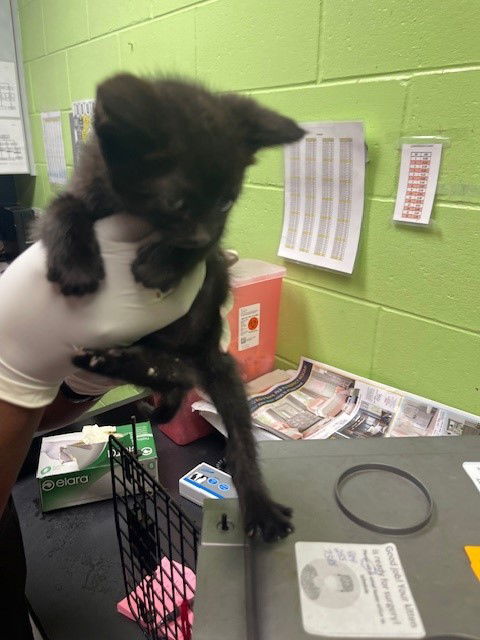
(417, 418)
(320, 402)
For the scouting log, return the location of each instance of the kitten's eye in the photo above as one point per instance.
(226, 206)
(175, 204)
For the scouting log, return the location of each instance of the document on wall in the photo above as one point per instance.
(54, 149)
(13, 157)
(324, 195)
(9, 101)
(417, 183)
(81, 120)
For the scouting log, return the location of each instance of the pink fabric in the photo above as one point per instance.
(165, 601)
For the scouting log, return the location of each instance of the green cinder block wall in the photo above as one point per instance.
(409, 316)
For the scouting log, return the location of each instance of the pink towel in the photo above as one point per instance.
(165, 602)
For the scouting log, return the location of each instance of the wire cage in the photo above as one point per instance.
(158, 549)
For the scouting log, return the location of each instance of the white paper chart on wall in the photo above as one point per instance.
(419, 168)
(54, 149)
(12, 147)
(13, 156)
(9, 101)
(324, 195)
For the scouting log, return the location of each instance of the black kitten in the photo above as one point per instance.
(171, 153)
(175, 154)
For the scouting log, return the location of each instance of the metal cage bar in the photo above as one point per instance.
(158, 549)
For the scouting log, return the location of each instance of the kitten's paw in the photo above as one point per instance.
(101, 361)
(268, 519)
(222, 464)
(77, 280)
(162, 278)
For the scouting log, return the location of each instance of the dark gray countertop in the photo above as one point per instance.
(74, 572)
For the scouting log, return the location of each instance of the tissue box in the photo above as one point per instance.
(74, 468)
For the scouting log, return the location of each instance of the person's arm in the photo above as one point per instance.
(62, 412)
(17, 426)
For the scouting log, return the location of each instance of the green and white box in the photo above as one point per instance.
(74, 468)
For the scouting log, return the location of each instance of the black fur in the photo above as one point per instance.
(170, 152)
(173, 154)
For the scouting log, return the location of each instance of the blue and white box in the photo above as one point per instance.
(205, 481)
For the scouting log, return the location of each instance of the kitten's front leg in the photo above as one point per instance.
(138, 365)
(73, 254)
(158, 266)
(261, 514)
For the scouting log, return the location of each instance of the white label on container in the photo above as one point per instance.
(355, 591)
(248, 326)
(473, 470)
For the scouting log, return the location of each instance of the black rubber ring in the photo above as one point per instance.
(377, 527)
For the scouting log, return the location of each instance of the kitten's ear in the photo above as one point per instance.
(262, 127)
(127, 119)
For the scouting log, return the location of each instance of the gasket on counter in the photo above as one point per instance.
(352, 471)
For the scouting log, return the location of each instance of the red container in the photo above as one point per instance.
(187, 426)
(256, 288)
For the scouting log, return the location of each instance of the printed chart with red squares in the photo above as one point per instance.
(418, 171)
(417, 182)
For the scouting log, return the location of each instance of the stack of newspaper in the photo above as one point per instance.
(318, 401)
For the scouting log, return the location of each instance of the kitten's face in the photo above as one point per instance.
(177, 154)
(188, 209)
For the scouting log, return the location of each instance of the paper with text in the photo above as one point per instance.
(54, 149)
(319, 402)
(13, 156)
(81, 120)
(354, 591)
(324, 195)
(9, 100)
(417, 183)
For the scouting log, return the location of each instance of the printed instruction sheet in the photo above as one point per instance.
(13, 157)
(9, 102)
(324, 195)
(13, 154)
(355, 590)
(417, 183)
(81, 120)
(54, 150)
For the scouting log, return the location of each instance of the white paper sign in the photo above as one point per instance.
(13, 157)
(54, 149)
(354, 591)
(417, 183)
(324, 190)
(473, 470)
(9, 102)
